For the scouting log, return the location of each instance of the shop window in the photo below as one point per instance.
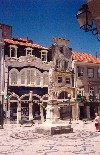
(59, 79)
(13, 111)
(90, 73)
(80, 71)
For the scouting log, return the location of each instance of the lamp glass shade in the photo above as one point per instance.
(84, 17)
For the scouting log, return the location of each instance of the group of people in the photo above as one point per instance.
(97, 122)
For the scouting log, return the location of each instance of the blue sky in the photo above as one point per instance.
(42, 20)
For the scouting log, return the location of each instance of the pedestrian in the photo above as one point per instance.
(97, 122)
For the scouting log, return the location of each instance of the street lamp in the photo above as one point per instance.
(69, 97)
(2, 100)
(85, 20)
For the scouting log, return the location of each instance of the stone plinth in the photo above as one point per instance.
(53, 129)
(53, 125)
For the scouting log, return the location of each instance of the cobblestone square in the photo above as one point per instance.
(16, 140)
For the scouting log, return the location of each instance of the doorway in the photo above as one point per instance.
(13, 111)
(24, 111)
(36, 110)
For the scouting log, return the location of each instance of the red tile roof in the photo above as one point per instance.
(83, 57)
(23, 44)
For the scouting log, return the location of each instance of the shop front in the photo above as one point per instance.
(92, 108)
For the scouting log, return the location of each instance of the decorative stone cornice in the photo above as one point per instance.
(30, 60)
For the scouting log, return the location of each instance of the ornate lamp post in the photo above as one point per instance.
(2, 100)
(85, 20)
(69, 97)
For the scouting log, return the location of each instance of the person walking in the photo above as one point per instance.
(97, 122)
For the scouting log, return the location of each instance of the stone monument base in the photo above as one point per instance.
(53, 128)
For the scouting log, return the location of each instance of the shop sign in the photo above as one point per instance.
(78, 99)
(94, 83)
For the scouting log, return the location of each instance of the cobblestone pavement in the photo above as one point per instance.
(16, 140)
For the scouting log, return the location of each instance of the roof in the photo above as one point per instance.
(21, 43)
(83, 57)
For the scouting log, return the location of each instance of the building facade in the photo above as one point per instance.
(87, 84)
(27, 75)
(26, 78)
(32, 76)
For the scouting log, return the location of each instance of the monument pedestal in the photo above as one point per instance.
(53, 129)
(53, 125)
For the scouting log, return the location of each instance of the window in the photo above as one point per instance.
(80, 92)
(90, 72)
(13, 51)
(23, 77)
(61, 49)
(30, 77)
(45, 79)
(28, 51)
(65, 65)
(57, 63)
(59, 79)
(37, 79)
(80, 71)
(91, 91)
(98, 73)
(68, 80)
(14, 78)
(63, 95)
(44, 55)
